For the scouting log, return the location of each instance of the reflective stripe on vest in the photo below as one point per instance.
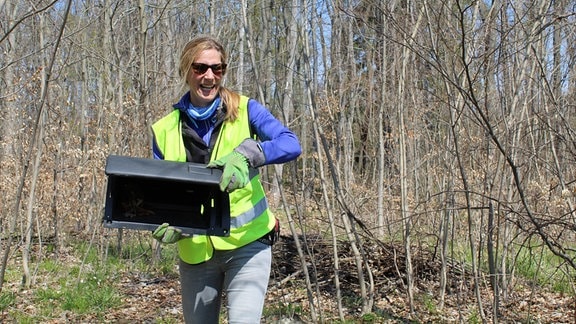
(249, 213)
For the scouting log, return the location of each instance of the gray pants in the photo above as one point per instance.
(242, 274)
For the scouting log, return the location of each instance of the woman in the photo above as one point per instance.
(214, 125)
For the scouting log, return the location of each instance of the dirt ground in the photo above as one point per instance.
(288, 302)
(148, 298)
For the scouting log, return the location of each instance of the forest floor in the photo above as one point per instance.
(145, 297)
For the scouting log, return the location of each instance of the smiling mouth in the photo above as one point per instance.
(206, 90)
(205, 87)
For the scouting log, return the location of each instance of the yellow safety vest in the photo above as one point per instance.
(250, 217)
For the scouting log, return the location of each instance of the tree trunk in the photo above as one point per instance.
(35, 136)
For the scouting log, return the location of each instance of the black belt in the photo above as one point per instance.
(271, 237)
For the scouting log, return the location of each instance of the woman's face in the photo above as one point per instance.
(204, 82)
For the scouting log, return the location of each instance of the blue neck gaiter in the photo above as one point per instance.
(202, 113)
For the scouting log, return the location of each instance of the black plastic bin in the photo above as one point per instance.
(144, 193)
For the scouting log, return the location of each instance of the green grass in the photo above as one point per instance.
(50, 266)
(90, 297)
(535, 263)
(7, 299)
(86, 282)
(543, 268)
(78, 288)
(428, 301)
(282, 310)
(474, 317)
(83, 283)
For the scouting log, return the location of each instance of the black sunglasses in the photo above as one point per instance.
(201, 68)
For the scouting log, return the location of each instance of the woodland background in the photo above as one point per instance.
(437, 131)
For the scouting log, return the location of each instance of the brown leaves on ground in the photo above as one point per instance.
(151, 298)
(387, 265)
(156, 299)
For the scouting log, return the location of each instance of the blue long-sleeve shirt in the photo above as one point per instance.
(278, 143)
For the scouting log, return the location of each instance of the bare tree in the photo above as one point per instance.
(36, 130)
(443, 126)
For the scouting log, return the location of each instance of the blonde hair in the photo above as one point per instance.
(191, 51)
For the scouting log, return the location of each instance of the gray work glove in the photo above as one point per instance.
(252, 150)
